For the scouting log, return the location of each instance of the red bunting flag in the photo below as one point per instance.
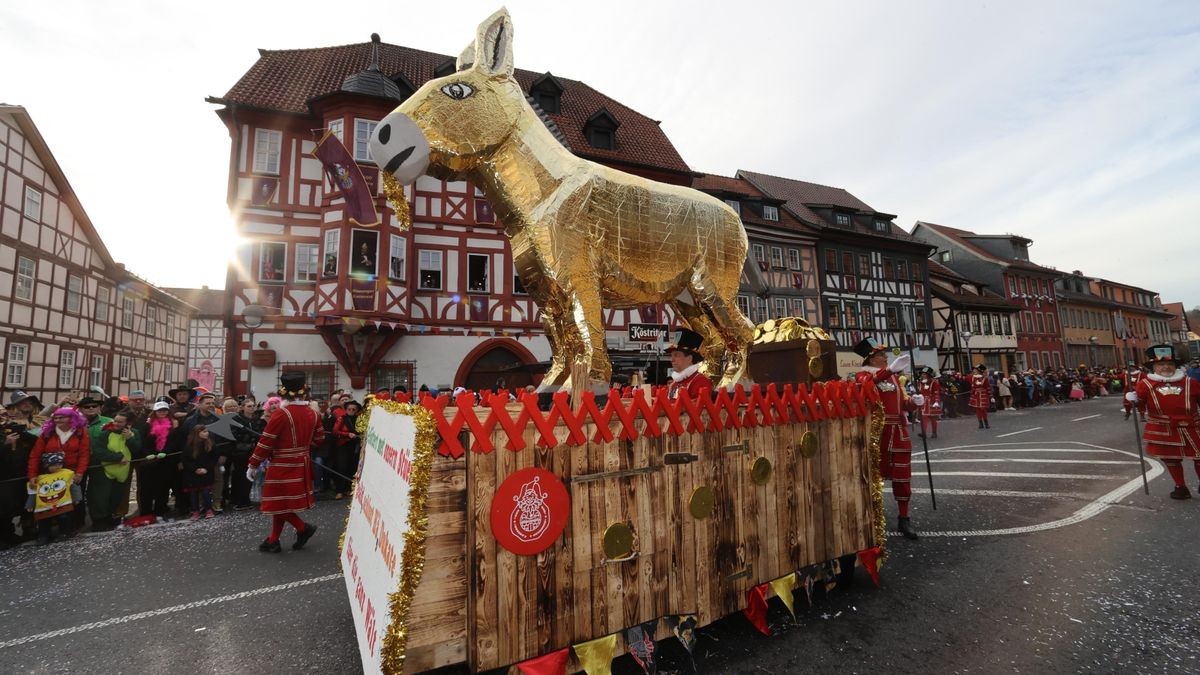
(347, 178)
(870, 560)
(756, 608)
(554, 663)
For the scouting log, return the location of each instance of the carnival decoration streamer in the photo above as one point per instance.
(595, 656)
(639, 640)
(584, 236)
(554, 663)
(806, 582)
(756, 608)
(870, 561)
(683, 627)
(784, 587)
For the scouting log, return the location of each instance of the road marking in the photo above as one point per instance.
(1007, 450)
(1002, 474)
(1014, 433)
(1033, 461)
(1097, 506)
(1080, 419)
(1029, 494)
(165, 610)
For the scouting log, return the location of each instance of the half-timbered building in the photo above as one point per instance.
(971, 324)
(206, 336)
(361, 306)
(71, 317)
(873, 278)
(782, 254)
(1002, 262)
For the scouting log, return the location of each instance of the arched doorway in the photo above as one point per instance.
(500, 362)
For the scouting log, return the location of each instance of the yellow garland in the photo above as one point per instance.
(877, 417)
(412, 560)
(394, 192)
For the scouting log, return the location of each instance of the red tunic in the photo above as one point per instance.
(981, 391)
(932, 391)
(895, 446)
(290, 433)
(1172, 404)
(697, 383)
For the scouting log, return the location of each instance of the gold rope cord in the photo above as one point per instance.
(877, 482)
(394, 191)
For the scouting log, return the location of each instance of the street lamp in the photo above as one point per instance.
(252, 317)
(966, 336)
(1092, 340)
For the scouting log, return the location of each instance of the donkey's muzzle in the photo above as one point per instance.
(399, 147)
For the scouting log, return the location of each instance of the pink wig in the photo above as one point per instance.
(78, 421)
(272, 401)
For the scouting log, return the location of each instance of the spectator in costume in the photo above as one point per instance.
(1171, 401)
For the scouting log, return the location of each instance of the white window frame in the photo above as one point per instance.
(32, 208)
(124, 365)
(842, 219)
(268, 144)
(362, 138)
(881, 226)
(780, 308)
(18, 360)
(338, 129)
(147, 371)
(74, 294)
(798, 307)
(487, 273)
(776, 256)
(25, 280)
(760, 252)
(518, 287)
(735, 205)
(397, 248)
(425, 262)
(770, 213)
(794, 258)
(308, 262)
(743, 304)
(66, 369)
(151, 320)
(96, 379)
(333, 245)
(262, 247)
(128, 309)
(102, 304)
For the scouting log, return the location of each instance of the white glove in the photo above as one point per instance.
(251, 473)
(918, 399)
(900, 364)
(1131, 397)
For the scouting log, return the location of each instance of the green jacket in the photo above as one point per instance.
(98, 442)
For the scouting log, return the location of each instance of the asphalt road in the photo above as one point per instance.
(1043, 555)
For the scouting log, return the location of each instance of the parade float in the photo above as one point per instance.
(557, 531)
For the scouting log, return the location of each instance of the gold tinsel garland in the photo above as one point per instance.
(412, 560)
(394, 191)
(877, 417)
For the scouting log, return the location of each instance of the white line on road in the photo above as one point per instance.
(1001, 474)
(1007, 450)
(1028, 494)
(1014, 433)
(1080, 419)
(1034, 461)
(165, 610)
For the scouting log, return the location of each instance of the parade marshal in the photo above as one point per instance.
(685, 366)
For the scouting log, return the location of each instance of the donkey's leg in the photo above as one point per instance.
(589, 348)
(737, 331)
(713, 347)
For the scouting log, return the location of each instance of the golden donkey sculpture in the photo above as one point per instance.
(584, 236)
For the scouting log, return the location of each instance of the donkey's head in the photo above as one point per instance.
(461, 117)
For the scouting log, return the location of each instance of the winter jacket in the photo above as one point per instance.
(76, 453)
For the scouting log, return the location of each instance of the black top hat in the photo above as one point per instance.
(292, 382)
(688, 342)
(1161, 353)
(87, 401)
(869, 347)
(18, 396)
(981, 366)
(926, 371)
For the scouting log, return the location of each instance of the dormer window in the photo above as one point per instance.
(770, 212)
(842, 219)
(881, 226)
(547, 91)
(601, 130)
(406, 87)
(735, 205)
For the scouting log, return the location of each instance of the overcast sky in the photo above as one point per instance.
(1076, 124)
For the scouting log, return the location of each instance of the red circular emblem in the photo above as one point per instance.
(529, 511)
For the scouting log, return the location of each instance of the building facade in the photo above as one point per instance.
(872, 275)
(71, 317)
(1002, 262)
(1087, 323)
(361, 306)
(1180, 328)
(207, 336)
(1137, 317)
(971, 324)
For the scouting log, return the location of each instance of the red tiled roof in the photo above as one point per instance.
(739, 186)
(962, 237)
(210, 302)
(714, 183)
(939, 269)
(286, 79)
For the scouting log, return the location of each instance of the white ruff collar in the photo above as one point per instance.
(685, 373)
(870, 369)
(1175, 377)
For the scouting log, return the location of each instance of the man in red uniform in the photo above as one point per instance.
(895, 447)
(1129, 383)
(981, 395)
(293, 429)
(931, 390)
(685, 365)
(1173, 400)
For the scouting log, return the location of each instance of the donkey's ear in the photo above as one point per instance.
(493, 44)
(466, 59)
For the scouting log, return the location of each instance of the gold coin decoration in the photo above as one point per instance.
(788, 329)
(618, 541)
(808, 445)
(760, 471)
(816, 367)
(701, 503)
(813, 348)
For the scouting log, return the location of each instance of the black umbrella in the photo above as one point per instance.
(226, 425)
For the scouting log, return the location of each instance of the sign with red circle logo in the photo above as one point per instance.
(529, 511)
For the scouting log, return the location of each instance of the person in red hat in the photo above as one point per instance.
(1172, 402)
(895, 446)
(685, 365)
(292, 431)
(981, 395)
(1129, 381)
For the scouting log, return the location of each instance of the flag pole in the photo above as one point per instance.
(912, 364)
(1137, 430)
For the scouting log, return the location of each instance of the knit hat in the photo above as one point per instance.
(51, 458)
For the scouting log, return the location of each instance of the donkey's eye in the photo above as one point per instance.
(457, 90)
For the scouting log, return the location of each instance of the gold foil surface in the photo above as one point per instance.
(584, 236)
(394, 191)
(412, 558)
(618, 541)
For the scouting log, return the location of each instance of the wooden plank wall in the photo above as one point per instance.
(480, 603)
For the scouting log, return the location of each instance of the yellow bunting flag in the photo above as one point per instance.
(784, 587)
(595, 656)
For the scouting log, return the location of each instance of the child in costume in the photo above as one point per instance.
(52, 496)
(198, 466)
